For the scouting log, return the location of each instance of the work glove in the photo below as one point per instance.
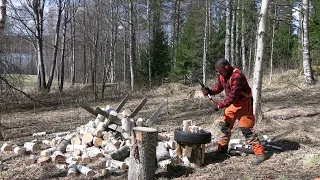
(206, 91)
(215, 106)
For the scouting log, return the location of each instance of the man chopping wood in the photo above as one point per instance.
(237, 104)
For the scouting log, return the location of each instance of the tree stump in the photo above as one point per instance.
(143, 154)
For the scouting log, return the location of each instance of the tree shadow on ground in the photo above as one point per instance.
(173, 171)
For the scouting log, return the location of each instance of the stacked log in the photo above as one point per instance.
(103, 144)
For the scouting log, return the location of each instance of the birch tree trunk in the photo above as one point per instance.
(73, 37)
(149, 42)
(233, 21)
(204, 60)
(272, 42)
(3, 16)
(257, 74)
(243, 46)
(237, 23)
(308, 75)
(132, 44)
(63, 50)
(84, 78)
(228, 29)
(38, 6)
(56, 46)
(176, 26)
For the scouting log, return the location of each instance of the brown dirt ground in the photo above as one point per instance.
(290, 117)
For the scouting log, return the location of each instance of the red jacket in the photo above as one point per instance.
(235, 86)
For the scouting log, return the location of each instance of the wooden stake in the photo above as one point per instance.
(203, 151)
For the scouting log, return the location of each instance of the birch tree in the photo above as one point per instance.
(233, 24)
(176, 29)
(132, 43)
(56, 45)
(2, 27)
(257, 74)
(243, 46)
(237, 23)
(228, 29)
(308, 75)
(272, 41)
(204, 60)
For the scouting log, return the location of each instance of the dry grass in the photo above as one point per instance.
(291, 119)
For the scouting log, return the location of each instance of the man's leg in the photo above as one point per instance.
(246, 124)
(226, 125)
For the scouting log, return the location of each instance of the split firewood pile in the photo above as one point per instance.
(103, 144)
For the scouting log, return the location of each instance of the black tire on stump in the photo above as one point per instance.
(184, 137)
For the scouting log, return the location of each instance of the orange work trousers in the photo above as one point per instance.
(243, 112)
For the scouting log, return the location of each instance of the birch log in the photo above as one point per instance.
(143, 153)
(116, 164)
(162, 152)
(33, 147)
(47, 152)
(85, 170)
(121, 153)
(6, 147)
(72, 171)
(19, 151)
(186, 124)
(58, 157)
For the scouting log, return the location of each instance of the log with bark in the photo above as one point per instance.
(58, 157)
(6, 147)
(18, 150)
(121, 153)
(162, 152)
(116, 164)
(47, 152)
(143, 153)
(72, 171)
(32, 147)
(85, 170)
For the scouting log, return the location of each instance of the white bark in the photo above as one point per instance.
(308, 76)
(243, 46)
(233, 21)
(149, 42)
(272, 44)
(131, 44)
(257, 75)
(237, 48)
(204, 60)
(227, 39)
